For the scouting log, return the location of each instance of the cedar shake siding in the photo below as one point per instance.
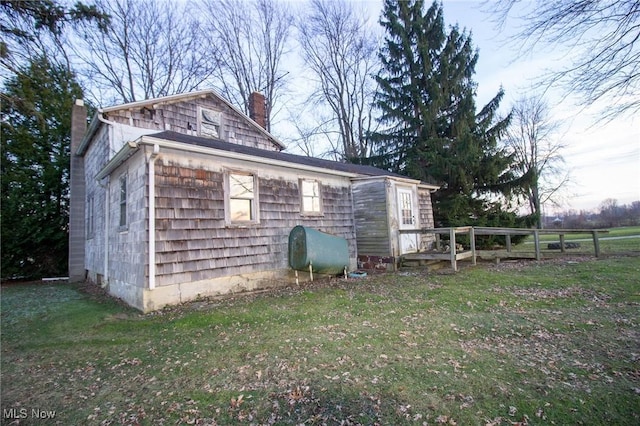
(175, 211)
(426, 217)
(195, 243)
(182, 117)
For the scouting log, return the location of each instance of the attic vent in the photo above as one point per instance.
(209, 123)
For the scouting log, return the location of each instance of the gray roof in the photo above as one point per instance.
(274, 155)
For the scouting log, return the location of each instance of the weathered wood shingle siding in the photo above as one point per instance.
(426, 217)
(95, 159)
(128, 247)
(182, 117)
(193, 240)
(371, 218)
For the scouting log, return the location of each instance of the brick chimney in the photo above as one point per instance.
(77, 194)
(258, 109)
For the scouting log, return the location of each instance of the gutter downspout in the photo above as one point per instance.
(111, 125)
(107, 216)
(107, 219)
(152, 216)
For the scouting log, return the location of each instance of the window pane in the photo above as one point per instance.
(315, 204)
(309, 188)
(310, 196)
(406, 208)
(209, 123)
(241, 186)
(123, 214)
(307, 204)
(123, 189)
(123, 201)
(240, 209)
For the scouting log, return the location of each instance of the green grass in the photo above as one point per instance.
(617, 240)
(624, 231)
(555, 342)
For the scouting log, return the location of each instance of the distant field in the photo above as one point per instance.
(552, 342)
(626, 231)
(617, 240)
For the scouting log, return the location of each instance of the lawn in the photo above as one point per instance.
(553, 342)
(616, 240)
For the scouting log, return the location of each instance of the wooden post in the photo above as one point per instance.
(596, 243)
(438, 245)
(536, 240)
(396, 260)
(562, 243)
(452, 248)
(508, 240)
(472, 243)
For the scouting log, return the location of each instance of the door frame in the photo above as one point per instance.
(407, 243)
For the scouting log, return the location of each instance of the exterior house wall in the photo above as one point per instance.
(377, 221)
(426, 218)
(128, 245)
(197, 250)
(95, 158)
(371, 217)
(182, 117)
(125, 247)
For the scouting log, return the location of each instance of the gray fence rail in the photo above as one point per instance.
(454, 255)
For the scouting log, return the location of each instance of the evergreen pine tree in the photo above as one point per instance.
(432, 132)
(36, 128)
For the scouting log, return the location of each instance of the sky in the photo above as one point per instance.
(603, 158)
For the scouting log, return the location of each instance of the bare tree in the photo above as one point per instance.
(340, 50)
(150, 49)
(532, 138)
(252, 39)
(36, 29)
(610, 213)
(604, 36)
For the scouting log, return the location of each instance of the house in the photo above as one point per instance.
(185, 196)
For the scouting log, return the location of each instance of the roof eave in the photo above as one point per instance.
(123, 155)
(86, 140)
(163, 143)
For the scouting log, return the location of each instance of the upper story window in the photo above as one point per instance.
(123, 201)
(242, 198)
(209, 123)
(311, 200)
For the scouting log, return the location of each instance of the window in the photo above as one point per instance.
(209, 123)
(123, 201)
(90, 217)
(406, 207)
(242, 198)
(311, 200)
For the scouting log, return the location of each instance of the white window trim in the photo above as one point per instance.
(304, 212)
(255, 202)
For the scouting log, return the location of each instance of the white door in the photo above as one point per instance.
(407, 220)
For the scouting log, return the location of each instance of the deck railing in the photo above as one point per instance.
(472, 231)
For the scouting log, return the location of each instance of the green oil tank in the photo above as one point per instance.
(326, 253)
